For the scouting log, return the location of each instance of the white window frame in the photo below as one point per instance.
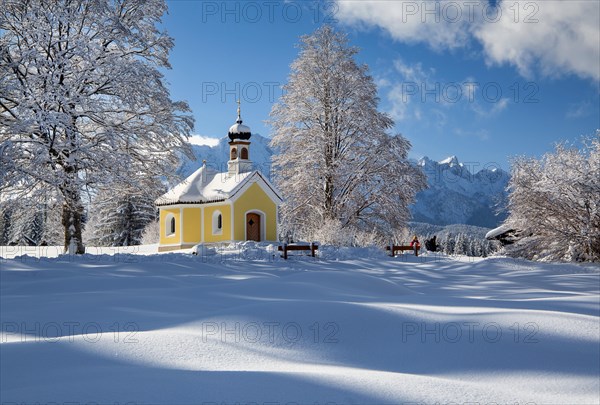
(215, 223)
(168, 220)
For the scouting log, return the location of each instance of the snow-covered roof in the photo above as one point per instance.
(239, 128)
(204, 185)
(497, 231)
(207, 185)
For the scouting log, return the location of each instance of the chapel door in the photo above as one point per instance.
(253, 227)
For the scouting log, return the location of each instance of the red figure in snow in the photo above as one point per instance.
(415, 242)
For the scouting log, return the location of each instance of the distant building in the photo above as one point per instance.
(208, 206)
(505, 234)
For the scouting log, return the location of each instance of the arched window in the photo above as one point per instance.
(244, 153)
(170, 225)
(217, 223)
(233, 153)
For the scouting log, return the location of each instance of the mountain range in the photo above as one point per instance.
(460, 194)
(457, 193)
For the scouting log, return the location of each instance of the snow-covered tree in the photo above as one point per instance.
(5, 227)
(476, 247)
(335, 160)
(118, 216)
(460, 247)
(447, 244)
(32, 219)
(81, 98)
(555, 203)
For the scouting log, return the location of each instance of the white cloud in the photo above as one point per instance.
(481, 134)
(579, 110)
(470, 87)
(203, 140)
(413, 73)
(415, 92)
(565, 38)
(405, 95)
(404, 20)
(399, 110)
(497, 107)
(551, 37)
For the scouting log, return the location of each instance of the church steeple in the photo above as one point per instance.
(239, 146)
(239, 130)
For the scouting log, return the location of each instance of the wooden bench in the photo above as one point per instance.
(400, 248)
(293, 247)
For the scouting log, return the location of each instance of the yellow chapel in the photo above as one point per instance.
(211, 207)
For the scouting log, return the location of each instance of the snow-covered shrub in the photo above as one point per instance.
(151, 233)
(368, 239)
(555, 203)
(332, 233)
(401, 236)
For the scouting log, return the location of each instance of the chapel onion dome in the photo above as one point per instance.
(239, 130)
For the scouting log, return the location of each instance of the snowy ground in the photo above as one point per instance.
(246, 327)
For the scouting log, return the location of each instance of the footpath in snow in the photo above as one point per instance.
(243, 326)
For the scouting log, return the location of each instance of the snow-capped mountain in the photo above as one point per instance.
(455, 195)
(458, 194)
(217, 154)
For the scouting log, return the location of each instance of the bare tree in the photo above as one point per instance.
(555, 204)
(334, 158)
(81, 98)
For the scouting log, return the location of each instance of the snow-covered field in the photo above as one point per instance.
(244, 326)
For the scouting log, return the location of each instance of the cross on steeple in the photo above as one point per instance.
(239, 145)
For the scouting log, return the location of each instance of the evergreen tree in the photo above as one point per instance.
(119, 216)
(449, 244)
(459, 245)
(31, 220)
(5, 226)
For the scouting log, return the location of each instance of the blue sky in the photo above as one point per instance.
(468, 78)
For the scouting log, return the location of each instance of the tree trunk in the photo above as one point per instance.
(71, 220)
(329, 209)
